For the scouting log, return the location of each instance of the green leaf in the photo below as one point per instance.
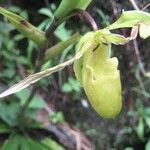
(46, 65)
(37, 101)
(8, 73)
(66, 88)
(140, 129)
(4, 128)
(57, 117)
(82, 4)
(9, 112)
(67, 6)
(44, 25)
(12, 143)
(105, 18)
(6, 28)
(19, 142)
(22, 60)
(75, 84)
(15, 9)
(35, 145)
(147, 120)
(130, 18)
(28, 30)
(71, 85)
(147, 111)
(52, 144)
(23, 14)
(62, 33)
(147, 146)
(46, 12)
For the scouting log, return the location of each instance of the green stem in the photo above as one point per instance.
(58, 48)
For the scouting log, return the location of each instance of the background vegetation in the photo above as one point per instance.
(65, 107)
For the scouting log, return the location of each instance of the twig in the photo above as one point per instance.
(134, 4)
(145, 7)
(89, 19)
(82, 13)
(136, 44)
(139, 57)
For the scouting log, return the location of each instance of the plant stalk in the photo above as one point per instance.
(41, 53)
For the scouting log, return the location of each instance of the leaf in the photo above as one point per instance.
(37, 76)
(9, 112)
(57, 117)
(140, 129)
(12, 143)
(35, 145)
(37, 101)
(147, 111)
(24, 144)
(141, 91)
(46, 12)
(15, 9)
(147, 120)
(62, 33)
(64, 8)
(74, 84)
(67, 6)
(66, 88)
(147, 146)
(130, 18)
(71, 85)
(52, 144)
(83, 4)
(28, 30)
(19, 142)
(4, 128)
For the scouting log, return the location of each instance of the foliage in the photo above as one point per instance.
(17, 141)
(71, 85)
